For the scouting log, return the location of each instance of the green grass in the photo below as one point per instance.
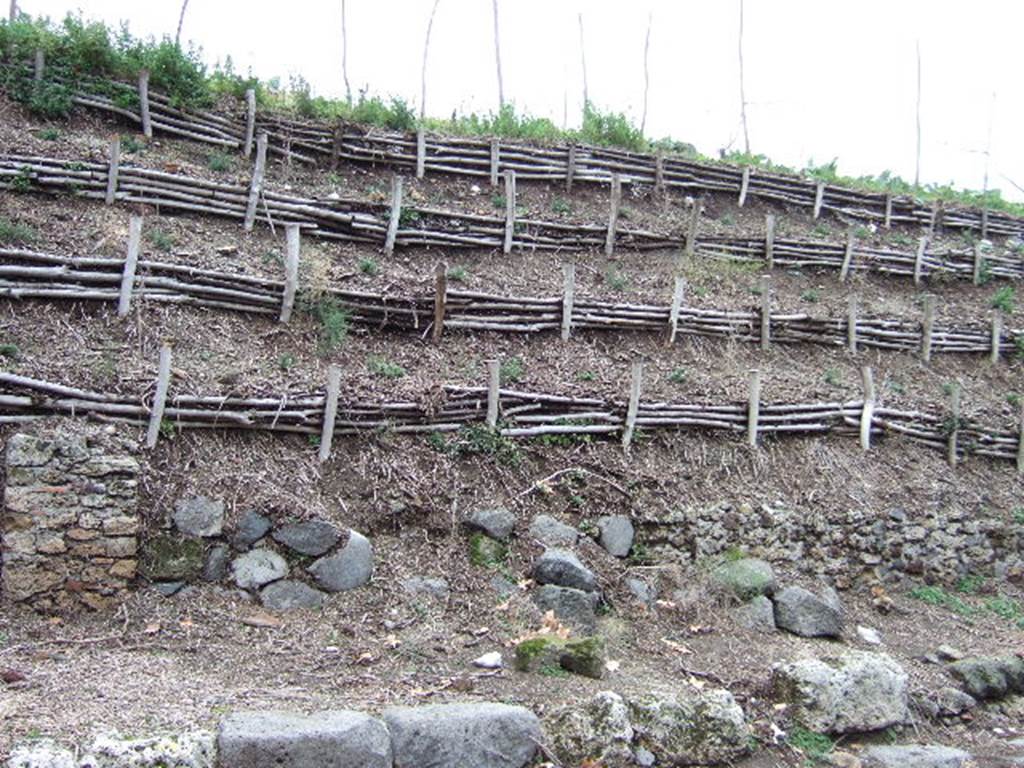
(814, 746)
(616, 279)
(12, 232)
(131, 145)
(833, 377)
(479, 439)
(586, 376)
(558, 205)
(810, 296)
(220, 162)
(48, 134)
(333, 319)
(160, 240)
(1018, 515)
(498, 201)
(458, 274)
(677, 376)
(511, 370)
(381, 366)
(10, 352)
(940, 597)
(369, 267)
(1003, 299)
(286, 361)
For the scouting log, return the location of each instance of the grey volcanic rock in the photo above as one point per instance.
(497, 523)
(218, 560)
(477, 735)
(310, 537)
(989, 678)
(745, 578)
(426, 586)
(552, 532)
(757, 614)
(199, 516)
(914, 756)
(251, 528)
(332, 739)
(288, 594)
(573, 607)
(808, 615)
(615, 534)
(260, 566)
(562, 568)
(348, 568)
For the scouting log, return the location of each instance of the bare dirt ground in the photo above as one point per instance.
(184, 661)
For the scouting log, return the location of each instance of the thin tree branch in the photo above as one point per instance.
(917, 166)
(344, 53)
(423, 72)
(181, 20)
(583, 59)
(743, 93)
(497, 57)
(647, 73)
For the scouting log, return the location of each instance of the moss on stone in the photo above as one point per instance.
(171, 558)
(584, 657)
(486, 552)
(536, 653)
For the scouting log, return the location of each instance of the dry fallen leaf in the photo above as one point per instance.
(151, 628)
(612, 666)
(263, 620)
(365, 659)
(677, 647)
(392, 642)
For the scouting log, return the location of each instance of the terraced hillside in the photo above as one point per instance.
(390, 366)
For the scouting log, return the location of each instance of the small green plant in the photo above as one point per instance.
(220, 162)
(498, 201)
(510, 371)
(727, 220)
(970, 584)
(1018, 515)
(1013, 400)
(380, 366)
(984, 272)
(1003, 299)
(160, 240)
(313, 440)
(167, 428)
(896, 387)
(616, 279)
(10, 352)
(458, 274)
(901, 239)
(334, 323)
(130, 144)
(15, 232)
(407, 217)
(1006, 608)
(486, 552)
(821, 229)
(640, 555)
(677, 376)
(369, 267)
(833, 377)
(476, 439)
(861, 232)
(23, 181)
(550, 670)
(939, 597)
(810, 296)
(815, 746)
(286, 361)
(586, 376)
(48, 134)
(558, 205)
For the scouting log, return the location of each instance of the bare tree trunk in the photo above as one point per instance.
(497, 57)
(647, 73)
(181, 20)
(344, 53)
(423, 72)
(988, 146)
(743, 93)
(14, 11)
(917, 166)
(583, 59)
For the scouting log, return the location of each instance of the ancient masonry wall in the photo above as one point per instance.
(70, 521)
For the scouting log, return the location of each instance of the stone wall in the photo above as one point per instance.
(70, 521)
(939, 545)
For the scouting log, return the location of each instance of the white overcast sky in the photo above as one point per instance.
(825, 78)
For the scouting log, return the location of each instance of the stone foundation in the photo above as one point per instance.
(70, 521)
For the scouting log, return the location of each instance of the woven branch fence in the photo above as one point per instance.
(28, 274)
(509, 413)
(311, 141)
(395, 225)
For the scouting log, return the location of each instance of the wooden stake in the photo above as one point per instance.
(613, 214)
(570, 169)
(954, 431)
(997, 336)
(933, 223)
(250, 120)
(766, 312)
(1020, 443)
(495, 160)
(866, 415)
(819, 199)
(844, 272)
(769, 240)
(510, 210)
(568, 297)
(493, 392)
(40, 65)
(888, 211)
(659, 171)
(634, 404)
(922, 244)
(163, 381)
(978, 261)
(984, 223)
(744, 186)
(678, 295)
(691, 233)
(115, 164)
(440, 298)
(256, 186)
(291, 270)
(421, 153)
(753, 407)
(851, 325)
(130, 263)
(330, 412)
(926, 328)
(396, 214)
(337, 136)
(147, 126)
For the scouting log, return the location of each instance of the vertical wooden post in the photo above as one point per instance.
(147, 126)
(766, 312)
(978, 262)
(291, 270)
(421, 152)
(13, 17)
(769, 240)
(997, 336)
(1020, 443)
(753, 407)
(691, 232)
(568, 297)
(851, 324)
(922, 244)
(888, 211)
(256, 186)
(440, 298)
(868, 412)
(570, 172)
(130, 263)
(954, 427)
(250, 120)
(933, 222)
(634, 404)
(510, 210)
(163, 381)
(678, 295)
(495, 161)
(493, 392)
(330, 412)
(819, 198)
(659, 171)
(927, 327)
(337, 137)
(115, 164)
(40, 65)
(613, 214)
(395, 216)
(844, 271)
(744, 186)
(984, 223)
